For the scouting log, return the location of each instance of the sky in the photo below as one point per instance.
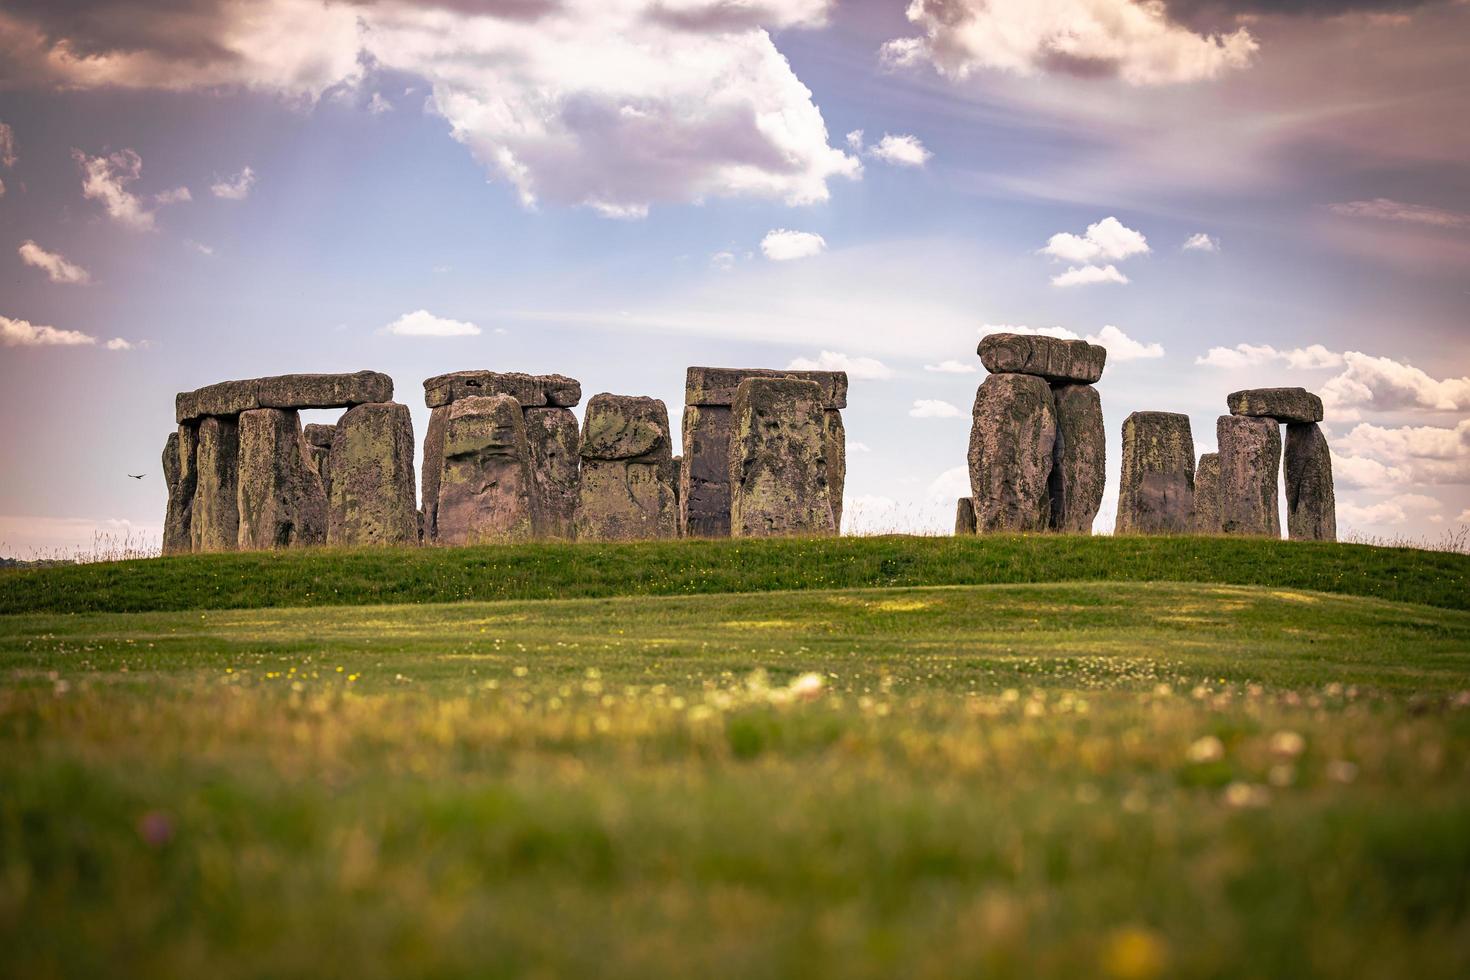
(1225, 193)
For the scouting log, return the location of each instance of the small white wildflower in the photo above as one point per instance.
(1243, 795)
(1288, 744)
(1206, 749)
(807, 687)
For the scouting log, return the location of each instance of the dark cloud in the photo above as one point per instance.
(184, 29)
(1208, 14)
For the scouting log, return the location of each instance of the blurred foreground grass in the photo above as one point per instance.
(1128, 780)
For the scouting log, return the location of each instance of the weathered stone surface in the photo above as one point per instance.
(1012, 441)
(318, 452)
(1156, 492)
(1079, 459)
(1250, 459)
(225, 398)
(778, 467)
(531, 390)
(432, 467)
(1207, 494)
(485, 490)
(319, 435)
(1281, 404)
(625, 427)
(180, 471)
(299, 391)
(281, 500)
(1311, 502)
(704, 479)
(626, 497)
(283, 391)
(964, 516)
(716, 386)
(1046, 357)
(678, 466)
(834, 450)
(215, 517)
(371, 497)
(555, 466)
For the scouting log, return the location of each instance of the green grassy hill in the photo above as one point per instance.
(324, 577)
(1028, 757)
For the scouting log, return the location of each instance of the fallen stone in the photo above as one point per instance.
(834, 450)
(485, 490)
(1045, 357)
(964, 516)
(778, 469)
(181, 473)
(1078, 474)
(1281, 404)
(1156, 492)
(1250, 459)
(626, 495)
(281, 501)
(371, 497)
(1311, 502)
(530, 390)
(298, 391)
(716, 386)
(704, 479)
(1012, 441)
(1207, 494)
(555, 466)
(214, 523)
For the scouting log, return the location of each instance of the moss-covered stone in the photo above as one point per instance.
(1061, 361)
(1311, 501)
(371, 497)
(1156, 490)
(1250, 461)
(281, 501)
(1281, 404)
(1012, 441)
(1079, 459)
(180, 470)
(627, 482)
(485, 489)
(214, 523)
(778, 464)
(704, 479)
(964, 516)
(1207, 494)
(555, 466)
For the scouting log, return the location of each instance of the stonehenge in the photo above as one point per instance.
(1037, 448)
(778, 467)
(1311, 504)
(1156, 489)
(368, 477)
(705, 475)
(1248, 497)
(627, 484)
(1250, 457)
(485, 492)
(243, 474)
(1207, 494)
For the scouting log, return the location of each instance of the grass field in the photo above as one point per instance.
(894, 773)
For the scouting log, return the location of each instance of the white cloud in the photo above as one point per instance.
(1386, 513)
(117, 343)
(856, 367)
(783, 245)
(1464, 517)
(1253, 355)
(1422, 454)
(179, 195)
(1387, 209)
(1200, 242)
(106, 179)
(199, 247)
(1136, 42)
(234, 188)
(853, 446)
(932, 408)
(951, 367)
(724, 261)
(855, 140)
(950, 485)
(422, 323)
(23, 333)
(902, 151)
(7, 146)
(1105, 239)
(1060, 333)
(1122, 347)
(1088, 275)
(56, 267)
(1385, 384)
(1362, 473)
(378, 105)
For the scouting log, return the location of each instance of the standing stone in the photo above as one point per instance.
(1011, 445)
(1079, 460)
(834, 449)
(1311, 503)
(704, 479)
(964, 516)
(778, 469)
(485, 489)
(318, 449)
(627, 487)
(281, 500)
(432, 470)
(371, 497)
(1207, 494)
(1058, 361)
(1250, 458)
(1156, 492)
(215, 517)
(555, 466)
(180, 470)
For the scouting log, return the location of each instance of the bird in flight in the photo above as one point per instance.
(136, 476)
